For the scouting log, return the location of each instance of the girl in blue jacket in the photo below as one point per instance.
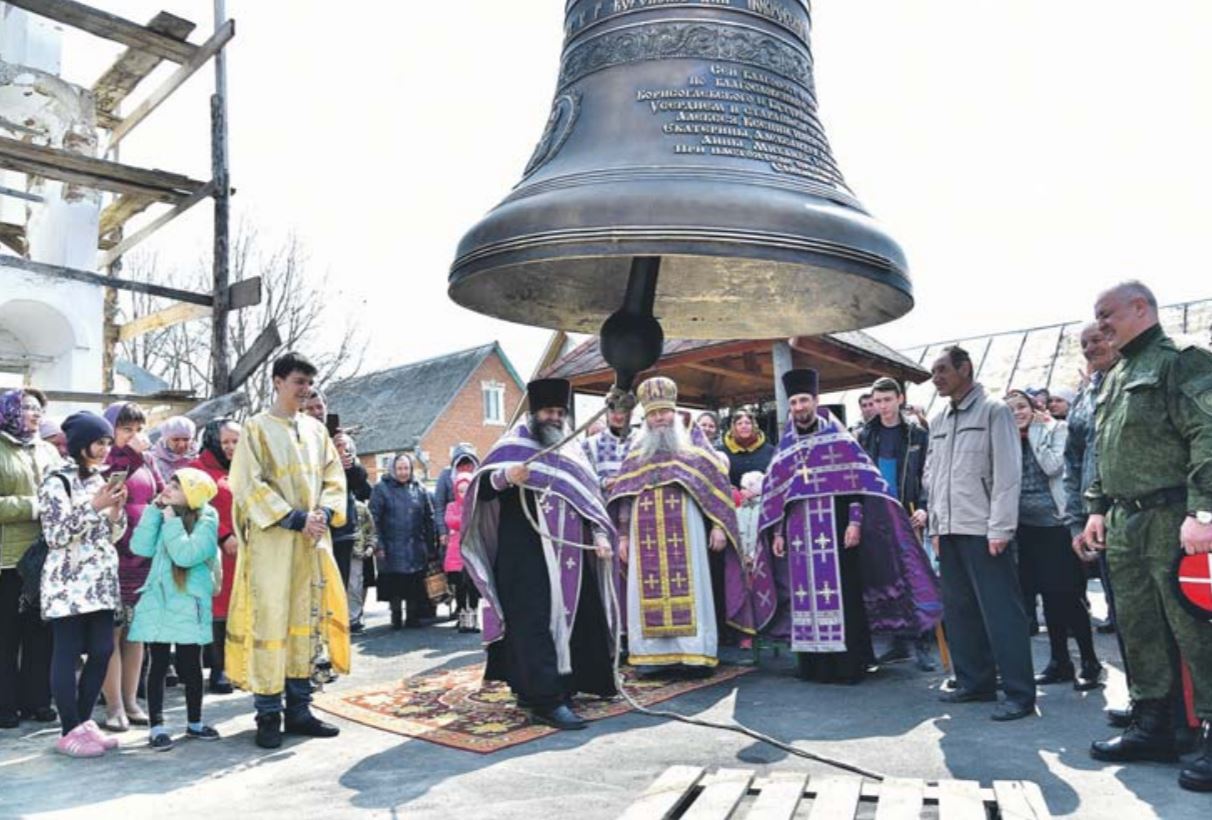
(180, 533)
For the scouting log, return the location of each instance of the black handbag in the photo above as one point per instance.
(29, 567)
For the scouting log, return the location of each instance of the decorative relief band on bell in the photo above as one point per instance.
(687, 40)
(794, 16)
(711, 175)
(702, 236)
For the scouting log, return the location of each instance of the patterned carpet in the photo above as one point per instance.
(456, 708)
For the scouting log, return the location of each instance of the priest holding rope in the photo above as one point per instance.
(837, 557)
(674, 503)
(536, 540)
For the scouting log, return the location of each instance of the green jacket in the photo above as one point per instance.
(1153, 424)
(22, 468)
(166, 613)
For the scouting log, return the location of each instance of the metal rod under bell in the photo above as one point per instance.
(631, 339)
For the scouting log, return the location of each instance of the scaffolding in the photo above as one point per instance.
(136, 190)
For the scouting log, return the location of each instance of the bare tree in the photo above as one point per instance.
(181, 354)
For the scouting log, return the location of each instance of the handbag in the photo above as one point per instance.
(29, 567)
(437, 587)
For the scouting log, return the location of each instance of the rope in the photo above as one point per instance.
(619, 682)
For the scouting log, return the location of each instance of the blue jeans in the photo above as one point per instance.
(298, 699)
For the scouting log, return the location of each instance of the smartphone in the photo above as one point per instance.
(116, 479)
(333, 422)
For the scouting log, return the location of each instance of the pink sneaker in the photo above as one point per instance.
(79, 742)
(105, 740)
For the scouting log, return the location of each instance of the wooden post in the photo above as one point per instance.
(220, 374)
(781, 357)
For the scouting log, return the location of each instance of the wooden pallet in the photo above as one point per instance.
(690, 793)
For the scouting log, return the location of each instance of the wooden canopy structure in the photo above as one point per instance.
(713, 374)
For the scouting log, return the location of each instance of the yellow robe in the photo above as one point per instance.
(280, 611)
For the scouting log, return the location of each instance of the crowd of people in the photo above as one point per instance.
(249, 549)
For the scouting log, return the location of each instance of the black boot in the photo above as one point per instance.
(1197, 777)
(1091, 676)
(1055, 672)
(397, 615)
(1149, 737)
(269, 730)
(1119, 718)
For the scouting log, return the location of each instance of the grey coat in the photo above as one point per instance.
(974, 468)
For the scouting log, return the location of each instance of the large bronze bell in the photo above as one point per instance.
(684, 134)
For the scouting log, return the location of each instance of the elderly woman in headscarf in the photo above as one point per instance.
(404, 520)
(219, 440)
(176, 447)
(24, 639)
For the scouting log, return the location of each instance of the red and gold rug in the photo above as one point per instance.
(457, 708)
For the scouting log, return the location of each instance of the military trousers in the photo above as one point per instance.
(1141, 550)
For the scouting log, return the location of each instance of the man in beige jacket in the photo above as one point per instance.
(973, 472)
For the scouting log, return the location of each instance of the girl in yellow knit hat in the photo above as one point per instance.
(180, 533)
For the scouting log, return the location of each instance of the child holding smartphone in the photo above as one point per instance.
(179, 532)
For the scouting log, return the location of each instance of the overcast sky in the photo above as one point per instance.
(1024, 153)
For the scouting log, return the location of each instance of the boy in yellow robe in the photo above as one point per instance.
(288, 609)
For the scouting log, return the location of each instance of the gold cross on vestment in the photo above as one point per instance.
(647, 542)
(671, 501)
(678, 580)
(803, 472)
(797, 543)
(675, 541)
(646, 503)
(823, 541)
(652, 582)
(800, 594)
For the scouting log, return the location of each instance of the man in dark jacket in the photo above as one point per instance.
(463, 459)
(898, 448)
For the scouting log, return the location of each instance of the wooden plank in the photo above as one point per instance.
(722, 793)
(666, 795)
(109, 26)
(175, 315)
(1020, 800)
(245, 293)
(778, 796)
(836, 796)
(141, 111)
(900, 799)
(177, 397)
(13, 236)
(960, 800)
(266, 343)
(156, 224)
(15, 194)
(122, 210)
(132, 67)
(88, 277)
(55, 163)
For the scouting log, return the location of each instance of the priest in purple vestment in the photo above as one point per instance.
(536, 540)
(674, 504)
(837, 556)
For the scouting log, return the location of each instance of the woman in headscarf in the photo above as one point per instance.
(404, 520)
(219, 440)
(176, 447)
(25, 651)
(143, 483)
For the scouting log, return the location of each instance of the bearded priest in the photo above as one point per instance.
(837, 556)
(536, 540)
(673, 503)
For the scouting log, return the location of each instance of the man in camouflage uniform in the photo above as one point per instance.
(1153, 492)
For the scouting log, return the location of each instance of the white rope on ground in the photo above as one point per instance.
(605, 564)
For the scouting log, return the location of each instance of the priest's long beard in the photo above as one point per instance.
(547, 433)
(662, 441)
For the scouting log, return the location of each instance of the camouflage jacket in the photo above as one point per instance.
(1153, 424)
(364, 533)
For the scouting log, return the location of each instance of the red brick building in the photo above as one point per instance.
(428, 407)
